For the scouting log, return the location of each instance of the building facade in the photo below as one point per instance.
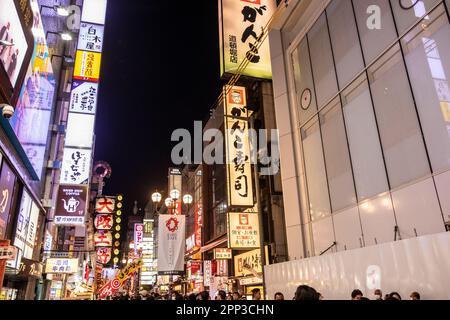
(362, 103)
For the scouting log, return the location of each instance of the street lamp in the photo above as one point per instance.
(188, 199)
(168, 202)
(175, 194)
(156, 197)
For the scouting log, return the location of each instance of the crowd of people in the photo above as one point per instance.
(303, 292)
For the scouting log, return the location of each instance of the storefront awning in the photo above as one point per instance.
(214, 244)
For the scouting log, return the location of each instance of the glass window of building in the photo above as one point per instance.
(322, 64)
(365, 149)
(304, 85)
(337, 159)
(375, 40)
(344, 39)
(409, 12)
(427, 54)
(319, 202)
(401, 137)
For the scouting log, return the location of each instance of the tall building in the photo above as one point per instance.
(362, 103)
(46, 161)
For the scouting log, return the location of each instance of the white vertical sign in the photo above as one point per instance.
(171, 244)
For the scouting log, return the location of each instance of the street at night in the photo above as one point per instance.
(225, 157)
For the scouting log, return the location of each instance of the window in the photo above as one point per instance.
(365, 148)
(322, 62)
(375, 41)
(408, 12)
(337, 159)
(427, 54)
(304, 84)
(400, 133)
(319, 202)
(344, 38)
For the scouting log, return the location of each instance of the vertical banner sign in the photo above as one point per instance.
(138, 236)
(207, 273)
(171, 244)
(77, 159)
(104, 223)
(242, 22)
(238, 156)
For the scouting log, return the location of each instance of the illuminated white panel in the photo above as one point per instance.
(94, 11)
(80, 130)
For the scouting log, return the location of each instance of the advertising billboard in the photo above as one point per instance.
(238, 154)
(223, 254)
(171, 244)
(26, 229)
(105, 205)
(61, 266)
(7, 183)
(76, 166)
(138, 236)
(103, 238)
(34, 106)
(11, 30)
(87, 66)
(84, 97)
(248, 263)
(241, 24)
(243, 230)
(71, 205)
(103, 221)
(91, 37)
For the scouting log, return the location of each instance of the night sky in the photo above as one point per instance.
(160, 72)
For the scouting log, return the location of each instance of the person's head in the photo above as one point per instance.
(415, 296)
(357, 294)
(192, 296)
(236, 296)
(221, 295)
(378, 295)
(395, 296)
(279, 296)
(256, 294)
(306, 293)
(229, 296)
(204, 295)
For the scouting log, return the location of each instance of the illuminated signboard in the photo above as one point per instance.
(61, 266)
(76, 166)
(94, 11)
(34, 106)
(105, 205)
(104, 221)
(87, 66)
(238, 156)
(12, 57)
(104, 255)
(84, 97)
(103, 239)
(248, 263)
(241, 23)
(7, 182)
(71, 205)
(91, 37)
(138, 235)
(243, 230)
(222, 254)
(77, 137)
